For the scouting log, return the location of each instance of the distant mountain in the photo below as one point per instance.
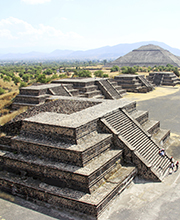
(107, 52)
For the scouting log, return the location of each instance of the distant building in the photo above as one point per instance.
(149, 55)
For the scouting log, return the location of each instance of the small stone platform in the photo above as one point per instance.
(134, 83)
(163, 78)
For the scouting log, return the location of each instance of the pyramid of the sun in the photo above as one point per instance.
(149, 55)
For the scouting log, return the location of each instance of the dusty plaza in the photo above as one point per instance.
(142, 199)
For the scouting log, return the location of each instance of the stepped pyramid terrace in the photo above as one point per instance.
(134, 83)
(79, 153)
(97, 88)
(148, 55)
(163, 78)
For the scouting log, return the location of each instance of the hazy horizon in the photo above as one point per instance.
(47, 25)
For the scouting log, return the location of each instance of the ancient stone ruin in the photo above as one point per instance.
(134, 83)
(148, 55)
(83, 88)
(163, 78)
(79, 153)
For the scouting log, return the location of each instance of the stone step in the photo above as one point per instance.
(92, 93)
(151, 126)
(161, 136)
(108, 89)
(121, 91)
(85, 179)
(90, 204)
(78, 155)
(31, 99)
(140, 116)
(74, 92)
(130, 107)
(89, 88)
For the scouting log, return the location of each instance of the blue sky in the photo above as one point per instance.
(46, 25)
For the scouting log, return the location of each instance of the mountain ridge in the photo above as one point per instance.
(102, 53)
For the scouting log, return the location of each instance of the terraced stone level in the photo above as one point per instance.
(78, 155)
(62, 174)
(90, 204)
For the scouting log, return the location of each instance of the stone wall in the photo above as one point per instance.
(64, 106)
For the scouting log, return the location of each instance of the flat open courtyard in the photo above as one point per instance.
(142, 200)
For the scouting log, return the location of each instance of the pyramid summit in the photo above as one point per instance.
(148, 55)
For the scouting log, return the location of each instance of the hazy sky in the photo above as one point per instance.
(46, 25)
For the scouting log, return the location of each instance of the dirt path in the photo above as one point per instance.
(157, 92)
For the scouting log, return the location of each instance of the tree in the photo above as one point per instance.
(25, 77)
(23, 84)
(7, 78)
(129, 70)
(115, 68)
(82, 73)
(104, 62)
(98, 73)
(105, 75)
(48, 72)
(16, 80)
(176, 71)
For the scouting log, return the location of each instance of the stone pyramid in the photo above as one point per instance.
(148, 55)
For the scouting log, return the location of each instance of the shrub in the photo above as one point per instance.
(2, 91)
(7, 78)
(16, 80)
(176, 71)
(23, 84)
(48, 72)
(105, 75)
(55, 76)
(25, 77)
(98, 73)
(82, 73)
(129, 70)
(115, 68)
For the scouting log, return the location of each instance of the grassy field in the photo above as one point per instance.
(11, 90)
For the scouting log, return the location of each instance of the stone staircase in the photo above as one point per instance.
(117, 87)
(146, 83)
(72, 165)
(134, 83)
(163, 78)
(144, 150)
(108, 89)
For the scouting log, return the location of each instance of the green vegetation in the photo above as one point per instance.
(21, 74)
(115, 69)
(1, 91)
(134, 69)
(82, 73)
(129, 70)
(100, 73)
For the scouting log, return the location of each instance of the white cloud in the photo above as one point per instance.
(18, 33)
(63, 18)
(35, 2)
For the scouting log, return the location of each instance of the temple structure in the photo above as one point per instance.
(78, 153)
(148, 55)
